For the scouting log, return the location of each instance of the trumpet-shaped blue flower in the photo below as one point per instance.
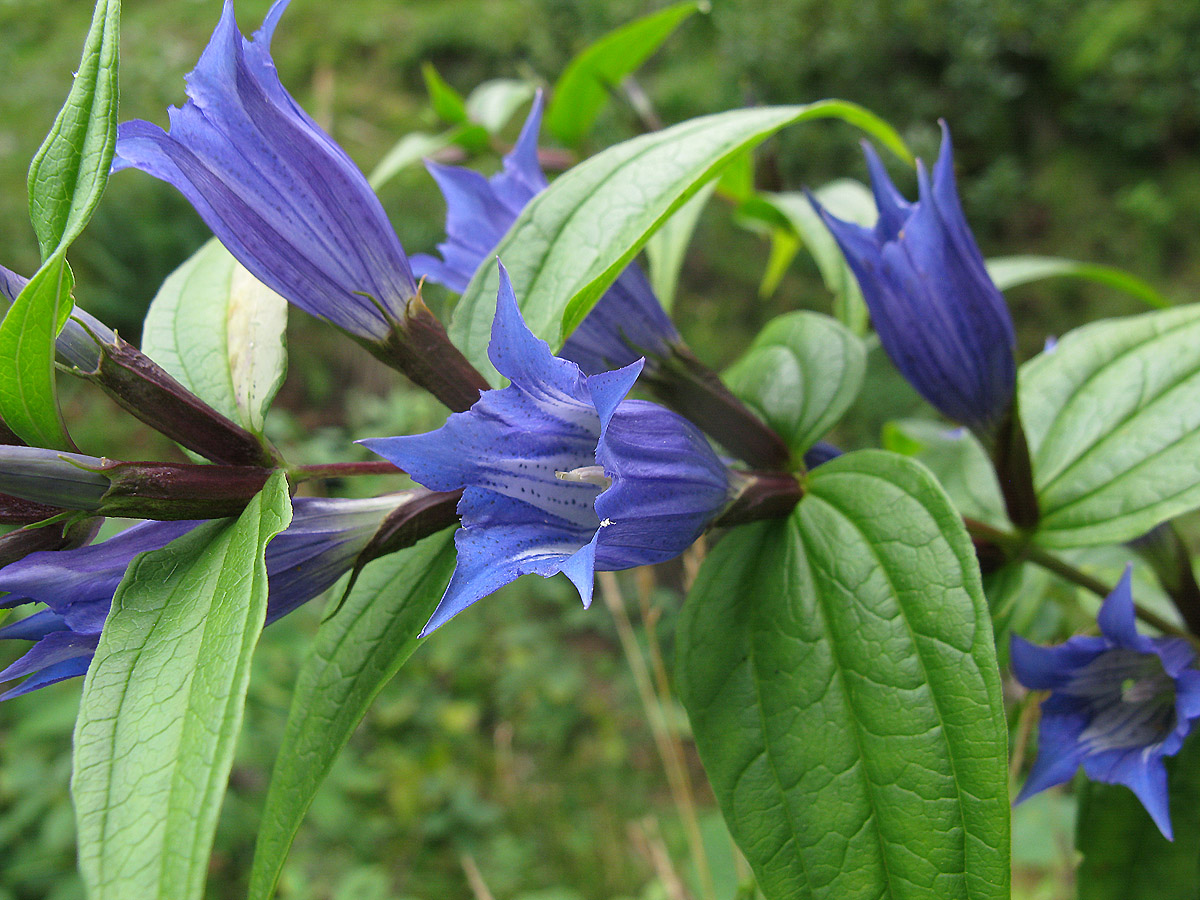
(626, 324)
(276, 190)
(1119, 703)
(77, 586)
(938, 314)
(560, 472)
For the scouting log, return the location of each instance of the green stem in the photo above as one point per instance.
(1017, 548)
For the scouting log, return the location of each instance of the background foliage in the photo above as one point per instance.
(516, 743)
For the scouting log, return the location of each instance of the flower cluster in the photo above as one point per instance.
(1119, 703)
(77, 586)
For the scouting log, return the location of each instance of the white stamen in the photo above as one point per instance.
(587, 475)
(604, 523)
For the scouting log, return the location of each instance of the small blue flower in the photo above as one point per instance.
(1119, 703)
(77, 586)
(938, 314)
(626, 324)
(561, 473)
(276, 190)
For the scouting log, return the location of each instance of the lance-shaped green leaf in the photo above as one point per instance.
(573, 239)
(840, 677)
(162, 705)
(1112, 415)
(356, 652)
(1013, 271)
(70, 170)
(221, 333)
(66, 179)
(446, 101)
(28, 399)
(801, 374)
(1125, 856)
(585, 84)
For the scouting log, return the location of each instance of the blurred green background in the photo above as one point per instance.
(514, 751)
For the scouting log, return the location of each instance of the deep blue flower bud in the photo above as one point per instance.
(560, 472)
(938, 314)
(1119, 703)
(276, 190)
(626, 324)
(77, 586)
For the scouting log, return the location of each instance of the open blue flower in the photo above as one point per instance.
(274, 188)
(561, 473)
(627, 323)
(77, 586)
(1119, 703)
(938, 314)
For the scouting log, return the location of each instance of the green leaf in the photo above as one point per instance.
(355, 654)
(28, 399)
(162, 705)
(667, 247)
(446, 101)
(70, 170)
(1011, 271)
(221, 333)
(957, 460)
(841, 681)
(574, 238)
(494, 103)
(1112, 415)
(66, 179)
(1125, 856)
(801, 374)
(784, 247)
(850, 201)
(584, 86)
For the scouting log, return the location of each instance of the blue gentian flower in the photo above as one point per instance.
(561, 473)
(938, 314)
(626, 324)
(77, 586)
(1119, 703)
(274, 188)
(78, 344)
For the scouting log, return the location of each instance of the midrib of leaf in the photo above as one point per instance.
(871, 787)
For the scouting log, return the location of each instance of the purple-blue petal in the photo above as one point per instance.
(938, 314)
(1117, 616)
(1140, 771)
(61, 671)
(275, 189)
(54, 648)
(668, 484)
(505, 539)
(1049, 668)
(1059, 753)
